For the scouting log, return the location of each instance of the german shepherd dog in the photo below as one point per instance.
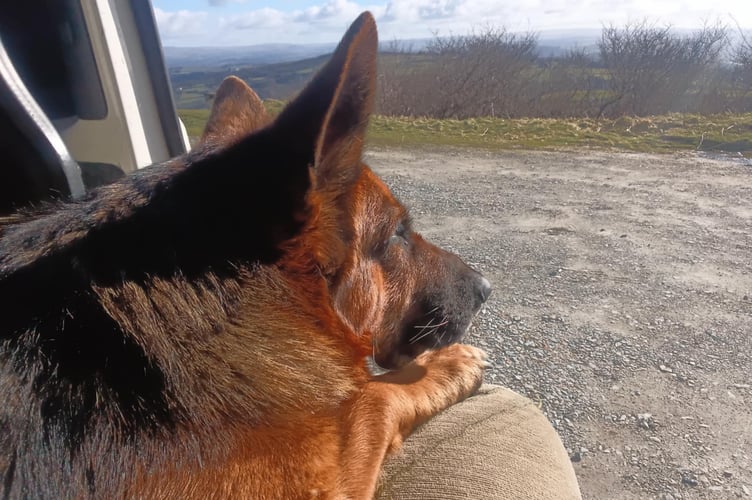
(201, 328)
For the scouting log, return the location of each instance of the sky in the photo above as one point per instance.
(250, 22)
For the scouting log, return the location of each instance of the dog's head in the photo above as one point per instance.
(397, 292)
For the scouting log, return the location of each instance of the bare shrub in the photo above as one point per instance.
(640, 69)
(569, 87)
(486, 73)
(653, 70)
(741, 59)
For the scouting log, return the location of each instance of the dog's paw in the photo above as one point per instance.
(457, 367)
(420, 390)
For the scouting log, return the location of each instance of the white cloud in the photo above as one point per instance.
(256, 19)
(404, 19)
(331, 10)
(422, 10)
(179, 24)
(460, 16)
(334, 13)
(220, 3)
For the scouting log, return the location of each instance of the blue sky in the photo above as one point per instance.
(249, 22)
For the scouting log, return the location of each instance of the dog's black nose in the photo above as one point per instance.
(483, 289)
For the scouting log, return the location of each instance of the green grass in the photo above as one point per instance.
(658, 134)
(194, 121)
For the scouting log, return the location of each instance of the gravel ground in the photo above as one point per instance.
(622, 302)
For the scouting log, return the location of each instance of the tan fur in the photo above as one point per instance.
(201, 329)
(346, 421)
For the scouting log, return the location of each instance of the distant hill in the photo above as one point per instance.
(551, 43)
(558, 43)
(193, 87)
(176, 57)
(277, 71)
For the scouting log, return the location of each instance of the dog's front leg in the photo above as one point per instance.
(392, 405)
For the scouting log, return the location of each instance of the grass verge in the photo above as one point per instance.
(656, 134)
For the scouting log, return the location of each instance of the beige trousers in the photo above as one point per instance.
(496, 444)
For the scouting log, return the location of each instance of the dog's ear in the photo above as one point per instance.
(248, 198)
(332, 111)
(237, 111)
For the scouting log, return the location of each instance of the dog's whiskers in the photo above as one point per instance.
(422, 334)
(443, 333)
(429, 325)
(423, 328)
(429, 328)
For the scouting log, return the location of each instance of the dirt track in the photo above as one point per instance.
(622, 302)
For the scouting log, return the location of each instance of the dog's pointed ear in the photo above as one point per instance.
(332, 111)
(236, 112)
(268, 176)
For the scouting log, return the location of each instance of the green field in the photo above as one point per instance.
(193, 87)
(660, 134)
